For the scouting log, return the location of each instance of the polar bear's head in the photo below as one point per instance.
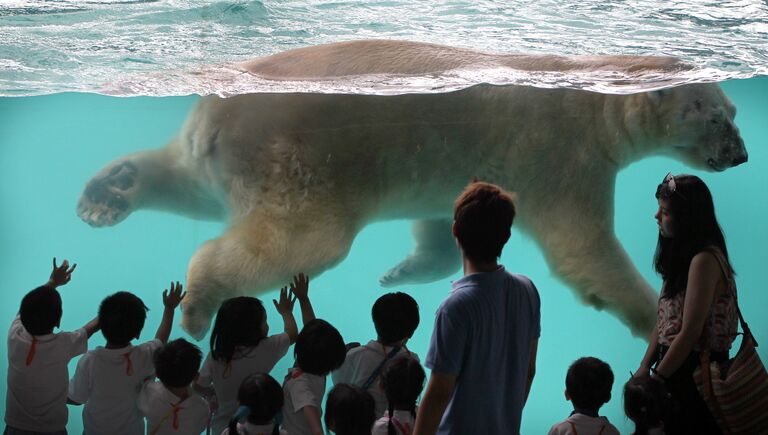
(695, 124)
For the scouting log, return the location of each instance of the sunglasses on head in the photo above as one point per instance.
(668, 187)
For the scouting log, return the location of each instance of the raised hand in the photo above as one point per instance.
(61, 274)
(172, 298)
(287, 300)
(300, 286)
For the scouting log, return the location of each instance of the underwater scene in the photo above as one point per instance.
(171, 89)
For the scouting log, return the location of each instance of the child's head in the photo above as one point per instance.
(349, 410)
(482, 221)
(402, 381)
(395, 316)
(319, 348)
(40, 310)
(241, 321)
(261, 399)
(588, 383)
(177, 363)
(121, 318)
(646, 403)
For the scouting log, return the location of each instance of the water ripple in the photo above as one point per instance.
(178, 47)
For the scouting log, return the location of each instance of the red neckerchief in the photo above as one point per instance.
(128, 364)
(32, 350)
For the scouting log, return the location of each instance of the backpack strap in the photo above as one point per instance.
(377, 371)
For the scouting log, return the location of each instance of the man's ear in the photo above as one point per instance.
(567, 396)
(453, 228)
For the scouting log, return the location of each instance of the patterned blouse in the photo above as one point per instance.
(720, 327)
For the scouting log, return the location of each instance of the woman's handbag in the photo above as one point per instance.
(736, 391)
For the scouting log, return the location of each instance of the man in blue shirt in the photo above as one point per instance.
(483, 348)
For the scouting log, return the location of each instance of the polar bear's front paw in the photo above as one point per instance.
(107, 196)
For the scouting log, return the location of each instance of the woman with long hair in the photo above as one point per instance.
(697, 307)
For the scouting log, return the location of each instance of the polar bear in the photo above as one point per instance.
(298, 175)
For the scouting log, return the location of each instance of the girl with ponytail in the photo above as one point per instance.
(261, 399)
(402, 381)
(240, 346)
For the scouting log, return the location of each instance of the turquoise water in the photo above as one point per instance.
(51, 145)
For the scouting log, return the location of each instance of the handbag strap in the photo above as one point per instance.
(732, 288)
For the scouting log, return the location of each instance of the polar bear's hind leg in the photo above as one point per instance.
(435, 256)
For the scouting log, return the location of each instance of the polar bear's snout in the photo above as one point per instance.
(729, 148)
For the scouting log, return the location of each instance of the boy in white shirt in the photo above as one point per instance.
(36, 399)
(395, 317)
(107, 379)
(319, 349)
(588, 386)
(171, 407)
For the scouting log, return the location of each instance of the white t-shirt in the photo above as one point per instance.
(361, 362)
(107, 381)
(167, 414)
(585, 425)
(402, 421)
(300, 390)
(252, 429)
(226, 378)
(36, 399)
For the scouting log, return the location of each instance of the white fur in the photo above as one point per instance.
(298, 175)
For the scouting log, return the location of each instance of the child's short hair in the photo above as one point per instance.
(177, 363)
(403, 381)
(589, 381)
(319, 348)
(483, 216)
(121, 317)
(395, 316)
(40, 310)
(349, 410)
(238, 323)
(646, 403)
(261, 399)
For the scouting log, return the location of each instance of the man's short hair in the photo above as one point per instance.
(483, 216)
(589, 381)
(40, 310)
(177, 363)
(395, 317)
(121, 317)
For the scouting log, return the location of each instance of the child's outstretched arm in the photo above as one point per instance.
(92, 326)
(60, 275)
(171, 300)
(300, 288)
(285, 308)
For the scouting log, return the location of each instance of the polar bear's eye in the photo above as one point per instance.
(697, 104)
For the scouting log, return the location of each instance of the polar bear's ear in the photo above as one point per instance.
(656, 97)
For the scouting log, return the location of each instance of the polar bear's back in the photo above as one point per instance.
(417, 58)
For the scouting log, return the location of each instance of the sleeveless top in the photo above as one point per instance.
(721, 324)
